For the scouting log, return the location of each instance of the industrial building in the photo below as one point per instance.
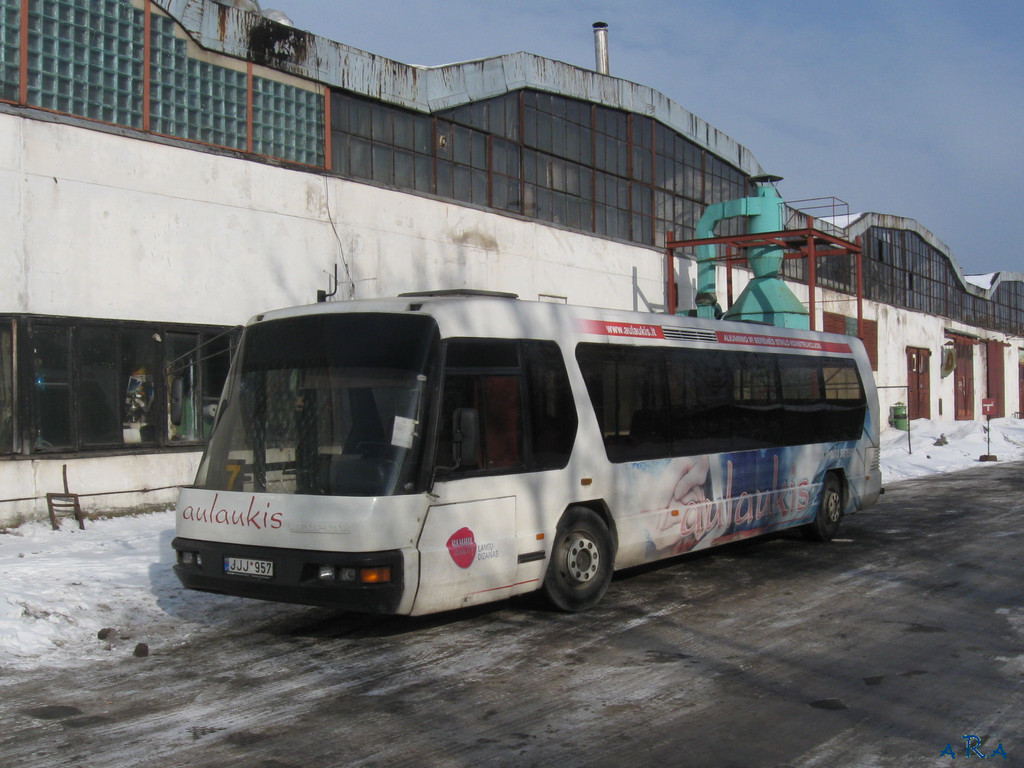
(172, 167)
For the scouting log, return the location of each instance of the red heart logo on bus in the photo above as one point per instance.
(462, 547)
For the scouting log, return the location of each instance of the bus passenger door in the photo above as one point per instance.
(467, 554)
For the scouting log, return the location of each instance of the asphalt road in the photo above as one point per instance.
(880, 649)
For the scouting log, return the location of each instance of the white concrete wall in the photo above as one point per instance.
(108, 483)
(100, 225)
(897, 331)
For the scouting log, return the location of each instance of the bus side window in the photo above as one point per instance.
(552, 411)
(757, 407)
(501, 416)
(701, 403)
(629, 392)
(844, 399)
(803, 410)
(484, 374)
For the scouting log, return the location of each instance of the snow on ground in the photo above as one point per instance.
(61, 590)
(73, 595)
(61, 587)
(947, 446)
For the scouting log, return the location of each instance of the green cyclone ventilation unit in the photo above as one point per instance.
(766, 299)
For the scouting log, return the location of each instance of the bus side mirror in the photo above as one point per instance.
(465, 436)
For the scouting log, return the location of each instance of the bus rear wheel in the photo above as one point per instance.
(581, 563)
(825, 524)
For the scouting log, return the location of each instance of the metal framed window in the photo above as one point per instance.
(110, 385)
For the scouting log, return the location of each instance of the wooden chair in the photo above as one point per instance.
(64, 503)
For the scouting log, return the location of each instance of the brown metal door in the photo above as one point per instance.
(963, 378)
(996, 377)
(919, 388)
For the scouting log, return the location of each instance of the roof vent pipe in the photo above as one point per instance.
(601, 46)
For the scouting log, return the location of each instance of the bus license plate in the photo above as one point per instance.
(244, 566)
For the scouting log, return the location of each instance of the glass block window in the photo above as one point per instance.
(194, 99)
(10, 26)
(85, 58)
(287, 122)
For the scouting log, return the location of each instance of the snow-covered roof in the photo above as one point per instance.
(982, 281)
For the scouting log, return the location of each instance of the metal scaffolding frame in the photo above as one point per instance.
(807, 242)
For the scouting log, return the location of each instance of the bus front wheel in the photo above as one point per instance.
(825, 524)
(581, 563)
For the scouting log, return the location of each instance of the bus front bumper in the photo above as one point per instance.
(365, 582)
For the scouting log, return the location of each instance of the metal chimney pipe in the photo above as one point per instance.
(601, 47)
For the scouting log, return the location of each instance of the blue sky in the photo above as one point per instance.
(906, 107)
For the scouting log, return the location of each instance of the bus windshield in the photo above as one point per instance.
(330, 404)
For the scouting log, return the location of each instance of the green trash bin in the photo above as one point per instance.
(898, 417)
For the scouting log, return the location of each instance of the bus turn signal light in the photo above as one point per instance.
(378, 575)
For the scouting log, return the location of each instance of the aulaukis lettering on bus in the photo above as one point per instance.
(258, 517)
(749, 510)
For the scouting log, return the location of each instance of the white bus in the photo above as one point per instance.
(434, 451)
